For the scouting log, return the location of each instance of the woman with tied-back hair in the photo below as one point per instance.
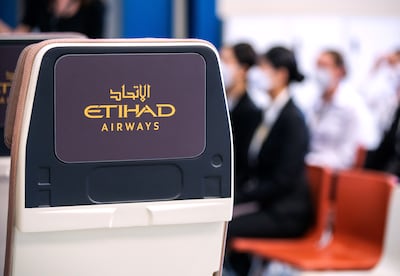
(274, 201)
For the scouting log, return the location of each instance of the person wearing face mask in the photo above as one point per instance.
(236, 62)
(275, 200)
(339, 121)
(383, 96)
(257, 85)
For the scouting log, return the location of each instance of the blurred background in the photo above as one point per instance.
(362, 30)
(366, 33)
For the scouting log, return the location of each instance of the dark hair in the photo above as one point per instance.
(280, 57)
(338, 59)
(245, 54)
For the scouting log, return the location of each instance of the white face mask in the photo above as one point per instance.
(396, 72)
(228, 75)
(398, 75)
(257, 80)
(323, 78)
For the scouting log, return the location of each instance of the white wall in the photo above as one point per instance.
(229, 8)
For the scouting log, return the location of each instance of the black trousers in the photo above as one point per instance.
(261, 224)
(264, 224)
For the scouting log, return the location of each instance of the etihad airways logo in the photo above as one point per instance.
(5, 87)
(130, 104)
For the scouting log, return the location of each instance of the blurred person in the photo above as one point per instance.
(82, 16)
(339, 121)
(274, 200)
(257, 85)
(387, 156)
(236, 61)
(381, 90)
(383, 96)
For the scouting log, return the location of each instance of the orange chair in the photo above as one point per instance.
(320, 181)
(361, 209)
(389, 264)
(361, 156)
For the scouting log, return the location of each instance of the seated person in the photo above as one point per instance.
(339, 120)
(382, 92)
(274, 197)
(245, 117)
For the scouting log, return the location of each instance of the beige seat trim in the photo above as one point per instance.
(20, 82)
(14, 95)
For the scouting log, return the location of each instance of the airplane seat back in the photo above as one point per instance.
(121, 160)
(11, 46)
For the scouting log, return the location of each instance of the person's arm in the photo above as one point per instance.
(290, 163)
(29, 19)
(22, 28)
(4, 28)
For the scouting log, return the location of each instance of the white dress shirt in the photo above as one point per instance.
(275, 107)
(338, 128)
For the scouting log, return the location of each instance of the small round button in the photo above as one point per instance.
(216, 161)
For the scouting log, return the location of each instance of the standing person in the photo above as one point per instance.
(275, 184)
(245, 117)
(82, 16)
(339, 121)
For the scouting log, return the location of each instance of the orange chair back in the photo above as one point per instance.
(361, 205)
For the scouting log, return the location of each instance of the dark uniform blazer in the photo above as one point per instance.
(278, 181)
(387, 156)
(245, 118)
